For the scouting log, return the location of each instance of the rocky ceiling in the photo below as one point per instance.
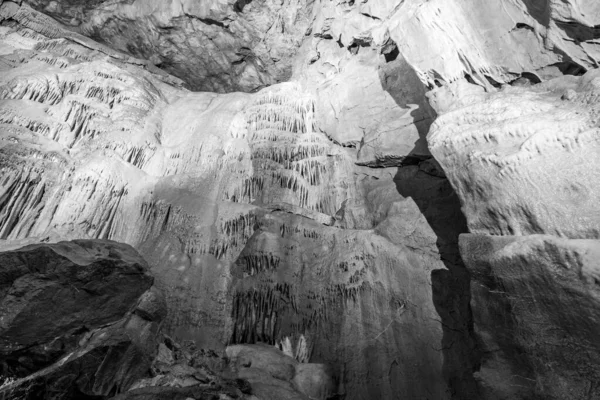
(219, 46)
(243, 45)
(404, 191)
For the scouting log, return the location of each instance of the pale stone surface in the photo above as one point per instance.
(207, 186)
(522, 160)
(308, 213)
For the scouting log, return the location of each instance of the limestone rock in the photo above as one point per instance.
(265, 358)
(307, 214)
(72, 323)
(314, 381)
(98, 283)
(275, 375)
(276, 296)
(221, 45)
(523, 162)
(506, 157)
(193, 180)
(536, 304)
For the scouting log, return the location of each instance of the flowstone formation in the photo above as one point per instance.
(298, 202)
(224, 195)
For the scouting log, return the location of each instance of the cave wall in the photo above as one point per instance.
(301, 206)
(525, 169)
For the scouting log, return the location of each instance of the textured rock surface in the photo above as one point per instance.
(536, 303)
(505, 151)
(218, 45)
(78, 319)
(275, 375)
(232, 45)
(219, 192)
(522, 161)
(309, 214)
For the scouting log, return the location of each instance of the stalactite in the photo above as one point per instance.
(10, 116)
(30, 34)
(21, 201)
(53, 60)
(259, 262)
(37, 22)
(287, 149)
(158, 217)
(51, 89)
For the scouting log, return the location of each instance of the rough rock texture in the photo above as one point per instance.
(244, 45)
(219, 192)
(512, 145)
(183, 372)
(77, 319)
(250, 372)
(536, 304)
(309, 214)
(217, 45)
(275, 375)
(522, 160)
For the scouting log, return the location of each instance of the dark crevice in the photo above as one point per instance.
(390, 50)
(470, 79)
(426, 184)
(450, 286)
(371, 16)
(570, 68)
(392, 55)
(209, 21)
(526, 79)
(578, 32)
(539, 10)
(533, 78)
(239, 5)
(493, 82)
(521, 25)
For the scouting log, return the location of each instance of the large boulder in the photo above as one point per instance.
(274, 375)
(78, 318)
(523, 160)
(536, 305)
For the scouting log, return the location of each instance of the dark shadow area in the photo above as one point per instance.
(570, 67)
(578, 32)
(539, 9)
(440, 205)
(425, 183)
(239, 5)
(399, 79)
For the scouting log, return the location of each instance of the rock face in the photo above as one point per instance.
(523, 163)
(275, 375)
(301, 207)
(78, 319)
(219, 45)
(514, 145)
(225, 45)
(221, 193)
